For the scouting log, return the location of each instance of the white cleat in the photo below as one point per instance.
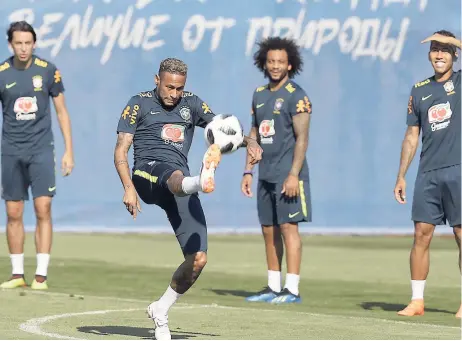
(161, 331)
(210, 162)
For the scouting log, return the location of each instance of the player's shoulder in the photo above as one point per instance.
(293, 89)
(421, 84)
(6, 65)
(42, 63)
(261, 88)
(189, 98)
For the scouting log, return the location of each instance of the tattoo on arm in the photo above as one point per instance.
(252, 135)
(301, 124)
(124, 141)
(408, 149)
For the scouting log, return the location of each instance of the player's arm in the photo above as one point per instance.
(408, 148)
(56, 90)
(249, 162)
(444, 40)
(123, 144)
(126, 129)
(301, 114)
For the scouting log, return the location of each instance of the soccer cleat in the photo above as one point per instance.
(285, 296)
(210, 162)
(39, 285)
(459, 313)
(161, 331)
(13, 283)
(415, 308)
(266, 295)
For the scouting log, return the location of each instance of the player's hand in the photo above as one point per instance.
(291, 186)
(439, 38)
(67, 163)
(254, 150)
(246, 185)
(400, 191)
(131, 201)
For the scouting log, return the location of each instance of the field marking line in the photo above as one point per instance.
(33, 325)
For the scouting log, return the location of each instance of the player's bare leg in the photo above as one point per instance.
(420, 265)
(15, 237)
(457, 236)
(180, 185)
(183, 278)
(43, 239)
(293, 246)
(274, 252)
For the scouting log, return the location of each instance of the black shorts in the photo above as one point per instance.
(437, 197)
(274, 208)
(184, 213)
(21, 171)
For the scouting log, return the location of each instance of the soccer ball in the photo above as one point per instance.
(226, 131)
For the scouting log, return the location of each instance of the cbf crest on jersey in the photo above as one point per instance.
(37, 81)
(449, 87)
(278, 105)
(185, 113)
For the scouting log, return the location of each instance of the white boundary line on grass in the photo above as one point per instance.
(33, 326)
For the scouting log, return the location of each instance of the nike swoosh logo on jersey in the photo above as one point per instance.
(51, 189)
(260, 105)
(10, 85)
(154, 112)
(426, 97)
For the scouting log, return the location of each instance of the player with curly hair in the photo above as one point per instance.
(281, 113)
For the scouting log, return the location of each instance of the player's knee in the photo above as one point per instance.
(423, 233)
(14, 212)
(43, 209)
(200, 260)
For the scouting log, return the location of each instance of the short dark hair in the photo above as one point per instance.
(278, 43)
(20, 26)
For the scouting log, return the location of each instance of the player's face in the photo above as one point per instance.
(23, 45)
(277, 65)
(441, 56)
(170, 88)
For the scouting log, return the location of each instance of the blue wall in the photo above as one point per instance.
(361, 59)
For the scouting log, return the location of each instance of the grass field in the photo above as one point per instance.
(351, 287)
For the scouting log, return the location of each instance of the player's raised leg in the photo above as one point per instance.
(181, 185)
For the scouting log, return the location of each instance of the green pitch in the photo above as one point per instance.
(351, 287)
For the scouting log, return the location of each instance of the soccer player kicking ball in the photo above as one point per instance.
(160, 124)
(433, 109)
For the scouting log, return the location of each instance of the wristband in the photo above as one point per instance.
(247, 173)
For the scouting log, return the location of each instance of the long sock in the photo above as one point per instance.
(166, 301)
(191, 184)
(43, 260)
(292, 281)
(17, 263)
(274, 280)
(418, 288)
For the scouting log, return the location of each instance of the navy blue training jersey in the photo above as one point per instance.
(272, 115)
(25, 96)
(163, 134)
(435, 108)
